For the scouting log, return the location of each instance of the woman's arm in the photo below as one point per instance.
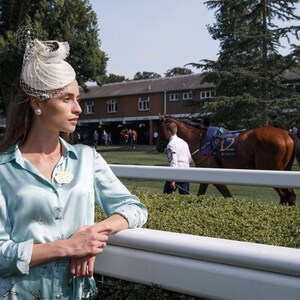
(114, 198)
(84, 266)
(87, 241)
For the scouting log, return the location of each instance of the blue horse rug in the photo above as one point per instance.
(220, 142)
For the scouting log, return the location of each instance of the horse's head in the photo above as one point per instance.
(125, 134)
(162, 142)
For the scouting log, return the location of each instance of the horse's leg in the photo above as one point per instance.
(223, 190)
(283, 200)
(220, 187)
(287, 196)
(291, 197)
(202, 189)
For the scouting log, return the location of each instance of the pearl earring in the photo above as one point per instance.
(38, 111)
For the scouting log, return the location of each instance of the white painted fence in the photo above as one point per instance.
(203, 266)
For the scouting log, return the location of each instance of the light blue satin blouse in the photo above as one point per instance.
(34, 210)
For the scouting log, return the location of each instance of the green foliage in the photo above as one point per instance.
(211, 216)
(240, 112)
(145, 75)
(65, 20)
(249, 63)
(177, 71)
(113, 78)
(234, 219)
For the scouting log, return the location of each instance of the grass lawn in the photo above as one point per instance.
(148, 155)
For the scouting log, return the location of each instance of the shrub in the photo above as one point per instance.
(234, 219)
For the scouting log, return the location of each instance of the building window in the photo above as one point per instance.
(174, 97)
(89, 108)
(187, 96)
(207, 94)
(295, 86)
(112, 106)
(144, 103)
(290, 85)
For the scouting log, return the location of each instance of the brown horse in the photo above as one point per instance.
(263, 148)
(129, 137)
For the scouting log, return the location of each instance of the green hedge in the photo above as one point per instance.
(233, 219)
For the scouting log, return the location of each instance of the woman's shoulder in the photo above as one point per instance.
(83, 149)
(10, 154)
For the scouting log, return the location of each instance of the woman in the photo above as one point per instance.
(48, 239)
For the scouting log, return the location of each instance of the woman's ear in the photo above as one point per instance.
(34, 103)
(36, 106)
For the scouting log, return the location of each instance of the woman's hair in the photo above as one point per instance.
(18, 123)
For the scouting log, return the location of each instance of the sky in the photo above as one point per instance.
(155, 35)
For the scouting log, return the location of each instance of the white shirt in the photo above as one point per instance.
(178, 152)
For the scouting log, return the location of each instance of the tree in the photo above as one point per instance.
(177, 71)
(250, 65)
(145, 75)
(113, 78)
(65, 20)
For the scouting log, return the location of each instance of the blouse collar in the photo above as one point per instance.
(14, 153)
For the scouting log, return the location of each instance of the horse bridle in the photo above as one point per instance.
(197, 150)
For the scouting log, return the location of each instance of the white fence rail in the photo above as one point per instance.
(202, 266)
(210, 175)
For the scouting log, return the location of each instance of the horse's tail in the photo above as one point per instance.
(296, 147)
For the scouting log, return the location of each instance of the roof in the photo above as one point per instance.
(157, 85)
(175, 83)
(291, 75)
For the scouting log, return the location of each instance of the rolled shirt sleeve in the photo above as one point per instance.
(114, 197)
(14, 257)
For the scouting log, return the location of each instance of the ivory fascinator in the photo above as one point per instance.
(45, 73)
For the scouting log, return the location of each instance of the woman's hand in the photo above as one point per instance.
(88, 241)
(82, 266)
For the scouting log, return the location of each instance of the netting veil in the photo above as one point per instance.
(45, 73)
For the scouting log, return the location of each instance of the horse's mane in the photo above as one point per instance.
(186, 124)
(194, 124)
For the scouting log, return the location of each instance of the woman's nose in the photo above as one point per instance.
(77, 108)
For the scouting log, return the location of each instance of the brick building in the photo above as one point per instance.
(136, 105)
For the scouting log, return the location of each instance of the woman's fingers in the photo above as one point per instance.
(83, 266)
(90, 267)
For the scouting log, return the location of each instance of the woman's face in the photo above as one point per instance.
(61, 113)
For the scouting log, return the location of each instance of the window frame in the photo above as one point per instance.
(187, 95)
(112, 106)
(174, 97)
(89, 108)
(144, 103)
(207, 94)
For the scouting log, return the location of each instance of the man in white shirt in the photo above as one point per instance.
(178, 156)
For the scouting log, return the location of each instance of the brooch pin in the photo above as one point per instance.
(63, 177)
